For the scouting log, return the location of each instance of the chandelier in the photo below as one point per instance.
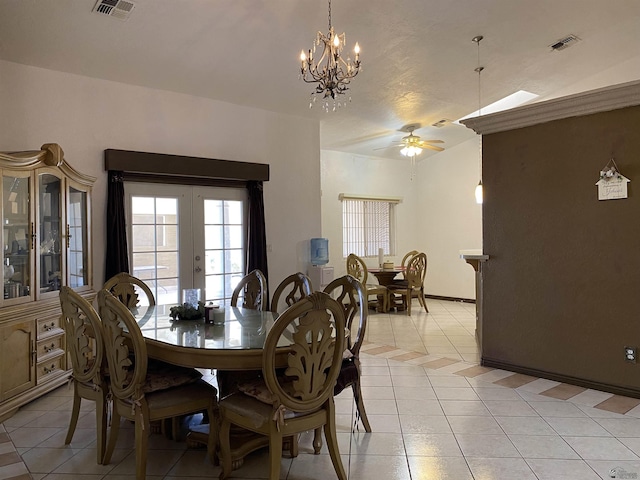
(331, 72)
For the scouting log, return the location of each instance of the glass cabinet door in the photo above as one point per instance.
(50, 223)
(77, 245)
(16, 236)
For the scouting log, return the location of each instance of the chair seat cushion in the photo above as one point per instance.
(258, 389)
(162, 376)
(182, 398)
(250, 407)
(348, 375)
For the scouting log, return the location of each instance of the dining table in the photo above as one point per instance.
(385, 276)
(233, 345)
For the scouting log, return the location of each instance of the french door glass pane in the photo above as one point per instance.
(224, 248)
(154, 235)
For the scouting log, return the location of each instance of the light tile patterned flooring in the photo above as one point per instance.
(436, 415)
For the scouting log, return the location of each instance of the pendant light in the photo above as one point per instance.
(479, 68)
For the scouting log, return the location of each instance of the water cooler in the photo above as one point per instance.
(319, 273)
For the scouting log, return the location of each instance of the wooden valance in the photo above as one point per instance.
(144, 166)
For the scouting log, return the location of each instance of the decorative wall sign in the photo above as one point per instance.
(612, 183)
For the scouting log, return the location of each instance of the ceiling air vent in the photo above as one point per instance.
(441, 123)
(565, 42)
(114, 8)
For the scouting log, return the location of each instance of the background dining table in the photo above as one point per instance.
(385, 276)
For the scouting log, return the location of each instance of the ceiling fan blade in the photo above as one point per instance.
(432, 141)
(432, 147)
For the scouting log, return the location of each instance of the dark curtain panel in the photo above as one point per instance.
(257, 241)
(117, 254)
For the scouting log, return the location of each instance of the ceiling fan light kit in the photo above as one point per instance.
(332, 73)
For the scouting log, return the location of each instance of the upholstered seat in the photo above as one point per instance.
(133, 397)
(86, 352)
(301, 399)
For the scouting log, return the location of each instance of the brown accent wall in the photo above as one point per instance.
(562, 286)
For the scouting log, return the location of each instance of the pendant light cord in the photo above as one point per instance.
(479, 69)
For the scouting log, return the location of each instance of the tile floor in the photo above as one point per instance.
(435, 413)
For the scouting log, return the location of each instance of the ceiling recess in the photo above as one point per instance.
(120, 9)
(565, 42)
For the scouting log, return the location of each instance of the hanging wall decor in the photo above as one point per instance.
(612, 183)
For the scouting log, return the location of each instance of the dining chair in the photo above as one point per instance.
(299, 399)
(250, 292)
(142, 393)
(127, 289)
(403, 267)
(292, 289)
(349, 293)
(85, 348)
(357, 268)
(252, 289)
(415, 274)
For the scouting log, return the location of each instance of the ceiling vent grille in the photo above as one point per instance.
(120, 9)
(441, 123)
(565, 42)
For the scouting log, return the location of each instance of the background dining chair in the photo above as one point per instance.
(85, 348)
(403, 267)
(357, 268)
(349, 293)
(141, 395)
(252, 289)
(415, 274)
(127, 288)
(292, 289)
(302, 398)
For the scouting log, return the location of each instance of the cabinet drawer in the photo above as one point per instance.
(49, 369)
(49, 347)
(48, 327)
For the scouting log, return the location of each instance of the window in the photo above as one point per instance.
(368, 224)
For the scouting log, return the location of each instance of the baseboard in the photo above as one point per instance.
(581, 382)
(450, 299)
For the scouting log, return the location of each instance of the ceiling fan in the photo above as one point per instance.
(411, 145)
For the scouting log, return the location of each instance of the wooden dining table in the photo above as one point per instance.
(385, 276)
(235, 345)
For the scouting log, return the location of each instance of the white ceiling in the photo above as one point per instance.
(417, 55)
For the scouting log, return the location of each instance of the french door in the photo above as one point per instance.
(184, 237)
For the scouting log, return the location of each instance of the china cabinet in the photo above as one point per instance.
(46, 241)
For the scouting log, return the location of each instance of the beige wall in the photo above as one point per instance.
(86, 116)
